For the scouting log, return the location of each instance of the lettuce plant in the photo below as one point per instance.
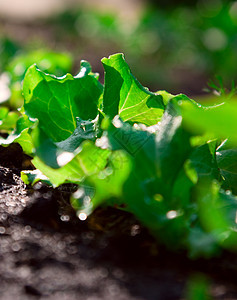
(165, 158)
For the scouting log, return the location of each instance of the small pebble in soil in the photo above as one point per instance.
(65, 218)
(2, 230)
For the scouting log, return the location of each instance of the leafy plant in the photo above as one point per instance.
(15, 61)
(156, 155)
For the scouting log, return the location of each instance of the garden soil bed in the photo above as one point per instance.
(47, 253)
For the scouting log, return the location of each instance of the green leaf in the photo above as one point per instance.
(88, 161)
(8, 119)
(181, 191)
(204, 162)
(139, 144)
(8, 50)
(3, 113)
(227, 162)
(198, 286)
(157, 160)
(30, 177)
(218, 120)
(172, 147)
(85, 130)
(21, 135)
(47, 61)
(107, 185)
(58, 102)
(58, 154)
(217, 213)
(125, 96)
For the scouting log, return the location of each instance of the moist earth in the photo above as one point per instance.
(47, 253)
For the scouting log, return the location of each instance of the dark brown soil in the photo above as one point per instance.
(47, 253)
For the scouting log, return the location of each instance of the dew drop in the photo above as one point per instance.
(171, 214)
(82, 216)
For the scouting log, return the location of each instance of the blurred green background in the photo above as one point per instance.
(178, 46)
